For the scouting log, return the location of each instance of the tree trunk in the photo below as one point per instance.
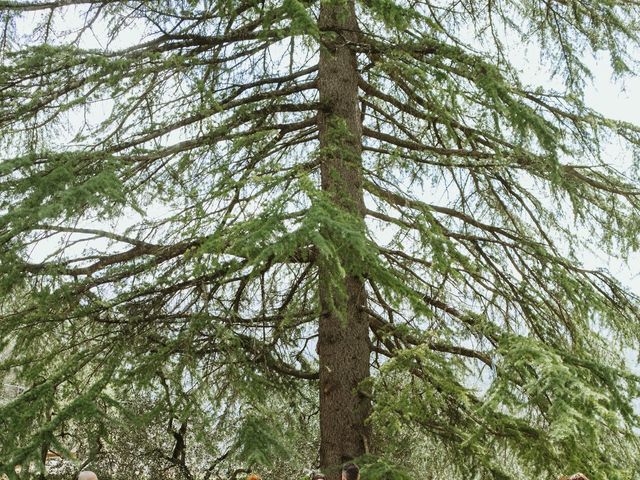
(343, 344)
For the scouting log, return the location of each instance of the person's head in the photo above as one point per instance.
(254, 476)
(350, 472)
(318, 476)
(87, 475)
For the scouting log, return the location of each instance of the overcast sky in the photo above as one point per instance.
(621, 101)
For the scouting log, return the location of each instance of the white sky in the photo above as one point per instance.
(621, 101)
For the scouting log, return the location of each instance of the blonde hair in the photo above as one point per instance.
(254, 476)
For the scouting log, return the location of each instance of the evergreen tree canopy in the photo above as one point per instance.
(246, 210)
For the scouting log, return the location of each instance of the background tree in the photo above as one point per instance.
(226, 203)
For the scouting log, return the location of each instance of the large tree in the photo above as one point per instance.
(212, 208)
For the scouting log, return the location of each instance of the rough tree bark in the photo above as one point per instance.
(343, 344)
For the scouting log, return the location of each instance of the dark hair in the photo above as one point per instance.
(351, 471)
(317, 476)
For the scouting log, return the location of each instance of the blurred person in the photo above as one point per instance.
(87, 475)
(350, 471)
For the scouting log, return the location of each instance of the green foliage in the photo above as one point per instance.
(260, 441)
(167, 233)
(379, 469)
